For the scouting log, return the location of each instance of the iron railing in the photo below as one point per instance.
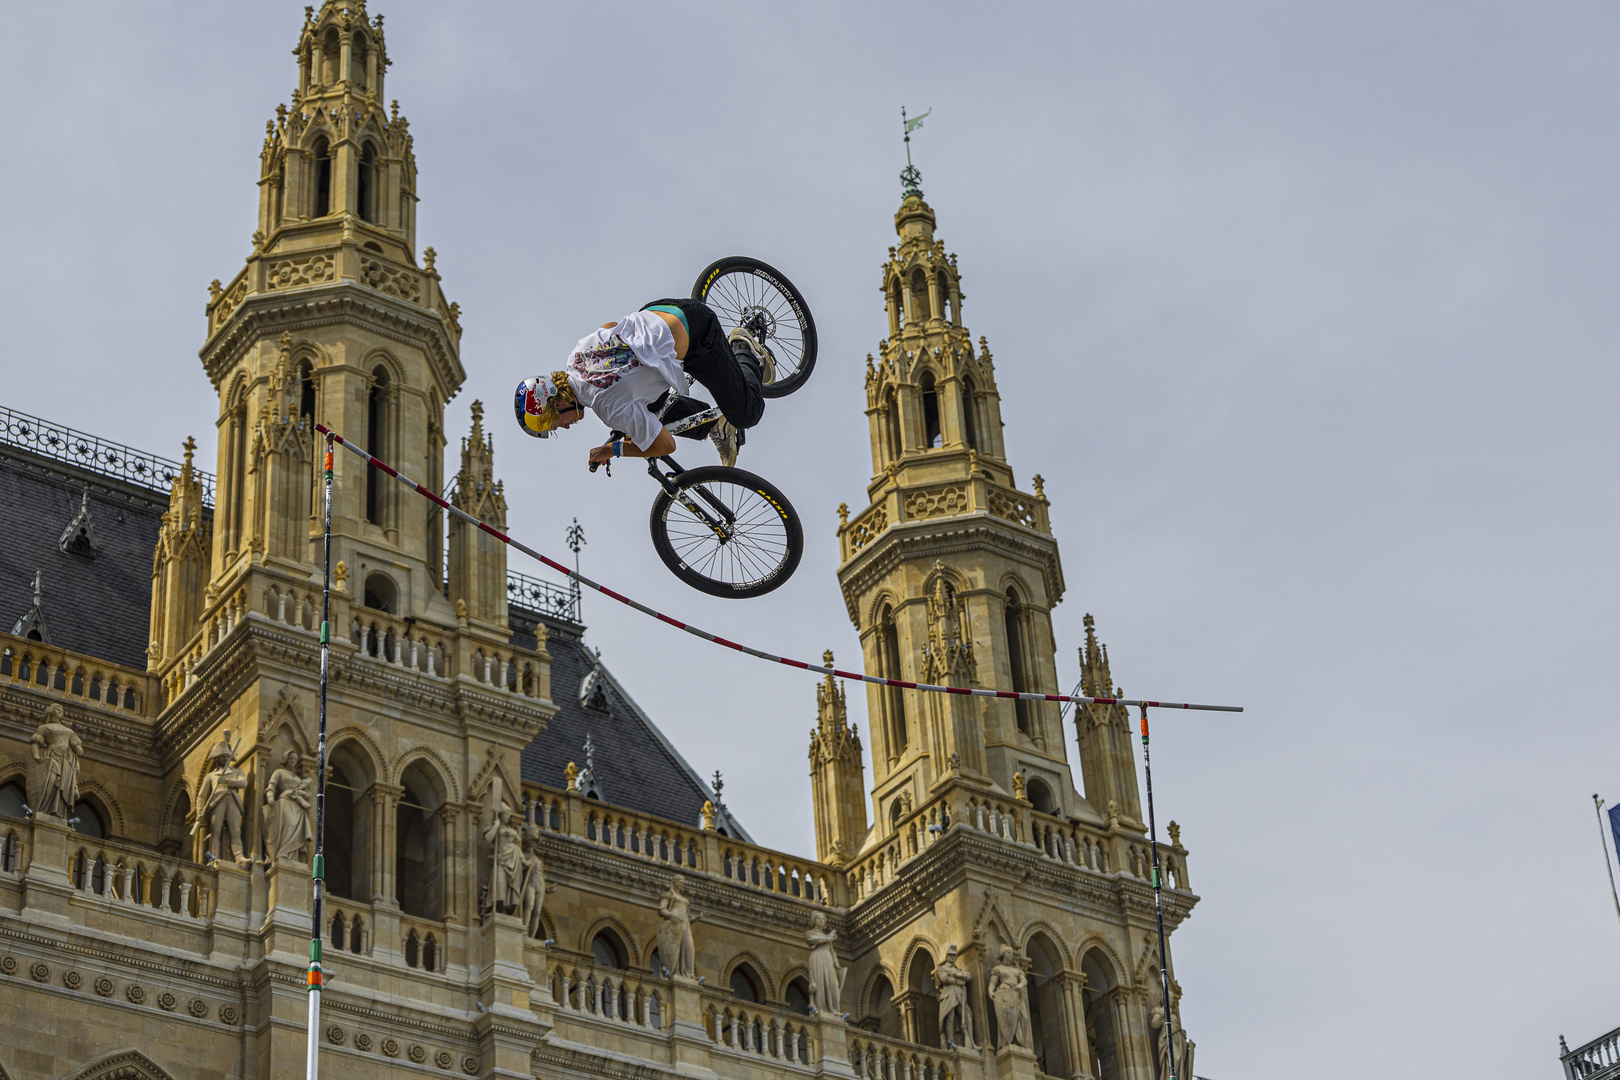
(1597, 1060)
(96, 454)
(543, 597)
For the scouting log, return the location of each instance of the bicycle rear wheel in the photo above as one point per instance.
(765, 541)
(756, 296)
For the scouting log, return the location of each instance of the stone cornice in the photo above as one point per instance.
(940, 537)
(22, 709)
(264, 315)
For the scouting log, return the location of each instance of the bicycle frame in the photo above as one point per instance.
(679, 494)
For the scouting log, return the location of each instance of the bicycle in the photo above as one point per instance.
(723, 530)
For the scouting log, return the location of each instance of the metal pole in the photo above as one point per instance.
(1597, 804)
(1158, 899)
(318, 875)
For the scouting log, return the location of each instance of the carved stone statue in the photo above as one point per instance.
(826, 977)
(532, 891)
(1008, 994)
(506, 869)
(219, 801)
(53, 776)
(1176, 1042)
(955, 1014)
(288, 803)
(675, 948)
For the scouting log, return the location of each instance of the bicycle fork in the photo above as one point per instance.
(724, 528)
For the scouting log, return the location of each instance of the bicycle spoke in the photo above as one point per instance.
(757, 543)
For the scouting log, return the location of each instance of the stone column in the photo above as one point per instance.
(832, 1045)
(1071, 990)
(508, 1027)
(449, 838)
(688, 1037)
(47, 883)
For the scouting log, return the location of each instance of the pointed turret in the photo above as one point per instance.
(477, 560)
(179, 566)
(837, 776)
(1107, 758)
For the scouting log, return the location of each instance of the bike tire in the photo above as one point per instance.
(774, 536)
(740, 289)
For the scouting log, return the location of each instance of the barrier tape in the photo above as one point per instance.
(852, 676)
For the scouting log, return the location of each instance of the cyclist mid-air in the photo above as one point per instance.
(720, 529)
(633, 373)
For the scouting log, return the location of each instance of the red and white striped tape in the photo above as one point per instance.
(853, 676)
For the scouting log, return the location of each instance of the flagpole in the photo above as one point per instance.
(1597, 804)
(312, 1048)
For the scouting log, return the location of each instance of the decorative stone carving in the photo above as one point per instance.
(291, 273)
(1175, 1041)
(675, 946)
(506, 867)
(826, 976)
(288, 803)
(390, 1047)
(334, 1035)
(708, 815)
(219, 801)
(198, 1008)
(8, 965)
(41, 971)
(444, 1059)
(227, 1015)
(105, 986)
(417, 1053)
(469, 1065)
(1009, 996)
(53, 775)
(167, 1001)
(362, 1041)
(955, 1014)
(532, 891)
(136, 994)
(72, 980)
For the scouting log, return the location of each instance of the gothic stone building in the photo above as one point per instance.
(158, 719)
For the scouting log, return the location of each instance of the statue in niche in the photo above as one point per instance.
(675, 946)
(1009, 995)
(219, 801)
(826, 976)
(1175, 1042)
(955, 1014)
(506, 869)
(53, 775)
(532, 890)
(288, 803)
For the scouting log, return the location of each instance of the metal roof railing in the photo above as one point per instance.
(95, 454)
(543, 597)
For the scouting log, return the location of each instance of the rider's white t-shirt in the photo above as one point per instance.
(617, 373)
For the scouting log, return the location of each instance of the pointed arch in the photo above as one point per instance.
(632, 953)
(176, 808)
(446, 775)
(916, 943)
(105, 802)
(123, 1065)
(755, 965)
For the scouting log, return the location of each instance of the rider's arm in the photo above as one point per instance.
(662, 446)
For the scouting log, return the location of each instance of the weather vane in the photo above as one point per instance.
(909, 176)
(576, 540)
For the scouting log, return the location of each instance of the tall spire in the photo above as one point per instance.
(837, 775)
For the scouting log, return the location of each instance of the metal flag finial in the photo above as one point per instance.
(910, 177)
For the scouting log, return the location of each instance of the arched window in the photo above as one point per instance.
(897, 307)
(381, 594)
(89, 819)
(366, 185)
(896, 809)
(357, 62)
(655, 964)
(798, 997)
(607, 950)
(1016, 626)
(418, 859)
(322, 189)
(376, 442)
(1041, 796)
(894, 702)
(333, 53)
(882, 1018)
(970, 410)
(924, 997)
(348, 826)
(944, 296)
(13, 797)
(745, 984)
(930, 404)
(306, 391)
(891, 421)
(919, 295)
(1099, 1006)
(1046, 1007)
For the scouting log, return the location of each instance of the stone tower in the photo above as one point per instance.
(951, 572)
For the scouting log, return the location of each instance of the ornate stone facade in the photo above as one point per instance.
(490, 916)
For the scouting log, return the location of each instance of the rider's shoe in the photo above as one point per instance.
(761, 355)
(725, 439)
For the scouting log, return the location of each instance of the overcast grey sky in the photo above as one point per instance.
(1306, 312)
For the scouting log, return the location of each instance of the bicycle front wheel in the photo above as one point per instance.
(758, 542)
(757, 297)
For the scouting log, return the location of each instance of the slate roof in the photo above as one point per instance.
(636, 766)
(99, 606)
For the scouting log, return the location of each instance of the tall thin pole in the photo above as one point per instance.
(318, 876)
(1158, 899)
(1597, 804)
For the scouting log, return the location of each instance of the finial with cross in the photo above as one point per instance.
(718, 784)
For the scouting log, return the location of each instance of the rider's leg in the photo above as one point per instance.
(731, 373)
(684, 407)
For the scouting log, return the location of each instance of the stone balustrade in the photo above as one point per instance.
(123, 874)
(408, 646)
(874, 1057)
(74, 676)
(611, 995)
(761, 1031)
